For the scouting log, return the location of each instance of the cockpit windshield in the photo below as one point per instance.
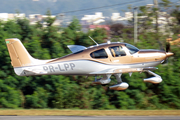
(131, 48)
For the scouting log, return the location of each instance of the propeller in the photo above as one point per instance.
(168, 45)
(168, 48)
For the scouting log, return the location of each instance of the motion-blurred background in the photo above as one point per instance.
(46, 27)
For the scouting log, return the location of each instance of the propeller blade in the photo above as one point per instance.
(167, 47)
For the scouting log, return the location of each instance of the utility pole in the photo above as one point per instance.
(157, 25)
(135, 25)
(156, 7)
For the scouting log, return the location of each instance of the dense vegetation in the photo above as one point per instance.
(57, 91)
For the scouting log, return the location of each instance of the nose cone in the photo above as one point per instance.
(168, 54)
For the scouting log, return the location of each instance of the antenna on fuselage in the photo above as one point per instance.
(93, 40)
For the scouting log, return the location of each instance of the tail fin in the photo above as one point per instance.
(19, 55)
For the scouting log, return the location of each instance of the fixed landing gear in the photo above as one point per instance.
(106, 79)
(156, 79)
(121, 85)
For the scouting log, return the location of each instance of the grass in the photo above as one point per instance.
(35, 112)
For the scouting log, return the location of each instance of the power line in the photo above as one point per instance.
(102, 6)
(92, 12)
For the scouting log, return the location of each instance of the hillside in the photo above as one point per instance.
(59, 6)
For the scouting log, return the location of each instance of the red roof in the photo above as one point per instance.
(107, 27)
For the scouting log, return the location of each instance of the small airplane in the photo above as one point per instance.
(111, 58)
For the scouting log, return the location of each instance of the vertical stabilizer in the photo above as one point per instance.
(18, 53)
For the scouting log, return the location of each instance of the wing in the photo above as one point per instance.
(123, 70)
(34, 71)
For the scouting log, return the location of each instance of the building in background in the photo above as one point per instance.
(93, 19)
(10, 16)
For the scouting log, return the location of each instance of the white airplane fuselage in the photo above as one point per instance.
(78, 67)
(105, 59)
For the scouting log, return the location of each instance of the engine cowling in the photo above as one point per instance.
(154, 80)
(121, 86)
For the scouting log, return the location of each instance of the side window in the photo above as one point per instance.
(117, 51)
(99, 54)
